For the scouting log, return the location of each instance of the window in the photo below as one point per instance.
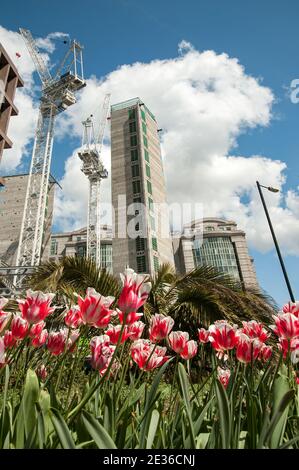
(210, 228)
(142, 114)
(132, 126)
(136, 187)
(156, 263)
(54, 247)
(150, 204)
(81, 251)
(146, 155)
(149, 187)
(140, 244)
(145, 141)
(147, 171)
(141, 264)
(153, 224)
(133, 140)
(144, 128)
(78, 239)
(132, 113)
(135, 171)
(134, 155)
(154, 244)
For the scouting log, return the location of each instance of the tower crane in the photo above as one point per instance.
(93, 168)
(58, 93)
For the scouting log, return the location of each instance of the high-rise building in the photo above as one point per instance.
(12, 201)
(9, 81)
(74, 244)
(138, 190)
(215, 242)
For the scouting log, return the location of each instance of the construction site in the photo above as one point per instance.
(27, 199)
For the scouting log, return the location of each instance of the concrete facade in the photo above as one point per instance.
(12, 201)
(9, 81)
(216, 242)
(74, 244)
(138, 179)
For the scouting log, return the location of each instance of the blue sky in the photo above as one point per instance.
(263, 36)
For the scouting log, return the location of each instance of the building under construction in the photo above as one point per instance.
(10, 80)
(12, 202)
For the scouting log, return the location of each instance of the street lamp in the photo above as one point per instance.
(274, 190)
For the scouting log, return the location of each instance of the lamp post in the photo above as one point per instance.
(274, 190)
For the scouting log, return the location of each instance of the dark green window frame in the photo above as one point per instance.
(156, 263)
(145, 143)
(132, 127)
(144, 128)
(141, 264)
(132, 113)
(134, 155)
(154, 244)
(147, 171)
(146, 155)
(135, 171)
(149, 187)
(142, 114)
(136, 187)
(133, 140)
(150, 204)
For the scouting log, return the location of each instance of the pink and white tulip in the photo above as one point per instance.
(286, 325)
(248, 349)
(40, 339)
(101, 353)
(114, 332)
(9, 340)
(160, 327)
(94, 308)
(223, 336)
(19, 327)
(203, 335)
(178, 340)
(291, 307)
(57, 341)
(135, 330)
(36, 329)
(134, 293)
(254, 329)
(2, 353)
(130, 317)
(36, 307)
(223, 376)
(73, 317)
(148, 356)
(190, 350)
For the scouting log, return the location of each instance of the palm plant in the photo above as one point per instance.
(204, 295)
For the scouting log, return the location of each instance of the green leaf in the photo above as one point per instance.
(62, 430)
(281, 399)
(97, 432)
(30, 397)
(149, 403)
(184, 383)
(4, 421)
(224, 414)
(152, 428)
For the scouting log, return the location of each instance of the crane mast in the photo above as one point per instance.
(93, 168)
(57, 95)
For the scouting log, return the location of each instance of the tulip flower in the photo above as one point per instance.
(178, 340)
(4, 319)
(19, 327)
(160, 327)
(134, 292)
(223, 376)
(135, 330)
(254, 329)
(101, 353)
(73, 317)
(40, 340)
(291, 307)
(9, 340)
(203, 335)
(2, 353)
(297, 380)
(189, 350)
(248, 349)
(223, 336)
(114, 332)
(36, 329)
(94, 308)
(286, 345)
(286, 325)
(130, 318)
(266, 353)
(56, 341)
(146, 355)
(41, 372)
(36, 307)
